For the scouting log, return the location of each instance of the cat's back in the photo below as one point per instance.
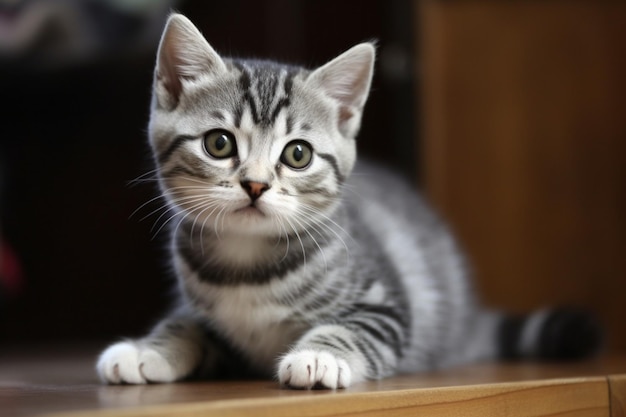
(386, 200)
(414, 238)
(424, 254)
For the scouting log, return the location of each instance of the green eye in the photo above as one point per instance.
(297, 154)
(220, 144)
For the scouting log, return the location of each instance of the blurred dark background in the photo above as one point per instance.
(509, 114)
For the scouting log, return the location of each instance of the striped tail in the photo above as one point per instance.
(559, 333)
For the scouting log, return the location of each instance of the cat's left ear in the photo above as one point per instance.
(347, 79)
(184, 55)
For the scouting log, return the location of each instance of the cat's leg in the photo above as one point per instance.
(335, 356)
(172, 351)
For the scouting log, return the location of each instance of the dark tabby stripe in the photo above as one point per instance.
(374, 320)
(372, 356)
(363, 346)
(382, 331)
(395, 313)
(266, 88)
(178, 170)
(347, 347)
(323, 299)
(332, 161)
(509, 333)
(218, 115)
(327, 341)
(176, 143)
(212, 272)
(289, 123)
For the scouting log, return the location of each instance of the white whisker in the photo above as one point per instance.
(219, 222)
(327, 224)
(300, 240)
(201, 206)
(143, 178)
(165, 205)
(321, 251)
(184, 213)
(204, 224)
(192, 179)
(171, 193)
(144, 205)
(288, 240)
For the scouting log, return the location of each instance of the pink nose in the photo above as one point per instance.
(254, 189)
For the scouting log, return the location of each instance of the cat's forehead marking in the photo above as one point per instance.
(265, 91)
(219, 115)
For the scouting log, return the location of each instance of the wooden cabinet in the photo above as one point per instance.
(524, 147)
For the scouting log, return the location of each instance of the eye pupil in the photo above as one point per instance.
(221, 142)
(297, 155)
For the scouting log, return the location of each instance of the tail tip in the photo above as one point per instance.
(563, 333)
(569, 333)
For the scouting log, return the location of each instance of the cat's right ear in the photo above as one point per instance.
(184, 55)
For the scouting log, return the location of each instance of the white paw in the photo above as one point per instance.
(128, 362)
(309, 369)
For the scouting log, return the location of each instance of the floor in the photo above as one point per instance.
(60, 380)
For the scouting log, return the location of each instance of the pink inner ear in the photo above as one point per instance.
(347, 79)
(170, 80)
(167, 68)
(345, 113)
(183, 54)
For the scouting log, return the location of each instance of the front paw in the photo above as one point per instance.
(128, 362)
(314, 369)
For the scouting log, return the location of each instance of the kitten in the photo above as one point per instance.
(286, 263)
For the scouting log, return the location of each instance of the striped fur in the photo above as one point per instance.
(313, 274)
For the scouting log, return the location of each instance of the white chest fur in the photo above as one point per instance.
(251, 319)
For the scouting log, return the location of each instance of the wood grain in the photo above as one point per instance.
(574, 397)
(524, 147)
(45, 380)
(617, 388)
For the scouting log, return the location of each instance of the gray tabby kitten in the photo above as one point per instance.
(286, 263)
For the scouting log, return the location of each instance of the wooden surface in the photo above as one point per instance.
(524, 146)
(617, 389)
(61, 381)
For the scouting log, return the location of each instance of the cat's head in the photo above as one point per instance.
(251, 146)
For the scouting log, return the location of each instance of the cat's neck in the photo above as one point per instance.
(240, 251)
(229, 249)
(236, 250)
(244, 250)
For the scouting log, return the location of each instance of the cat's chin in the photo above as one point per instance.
(250, 220)
(250, 212)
